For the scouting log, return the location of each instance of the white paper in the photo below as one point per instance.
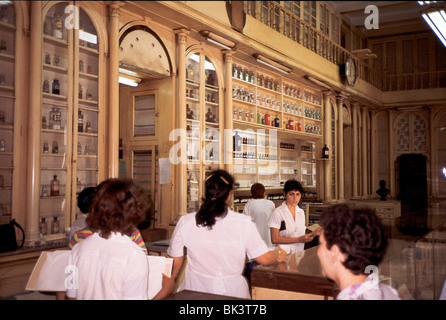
(49, 272)
(165, 170)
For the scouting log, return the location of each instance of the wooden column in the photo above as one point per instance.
(340, 147)
(227, 147)
(113, 93)
(373, 171)
(32, 232)
(181, 170)
(355, 170)
(364, 171)
(328, 142)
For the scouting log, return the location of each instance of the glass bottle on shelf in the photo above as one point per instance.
(80, 94)
(2, 145)
(47, 58)
(46, 86)
(88, 127)
(45, 147)
(80, 122)
(54, 226)
(325, 152)
(56, 86)
(237, 140)
(57, 25)
(43, 122)
(79, 148)
(54, 186)
(56, 60)
(55, 147)
(43, 227)
(78, 185)
(55, 119)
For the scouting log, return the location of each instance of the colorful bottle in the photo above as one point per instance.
(325, 152)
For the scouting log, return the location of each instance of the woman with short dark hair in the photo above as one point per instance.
(353, 244)
(287, 222)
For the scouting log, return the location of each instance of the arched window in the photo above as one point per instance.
(411, 133)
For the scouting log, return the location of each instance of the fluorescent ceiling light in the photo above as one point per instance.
(272, 64)
(218, 43)
(217, 40)
(318, 82)
(435, 16)
(129, 81)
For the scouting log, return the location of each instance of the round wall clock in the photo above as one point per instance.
(350, 71)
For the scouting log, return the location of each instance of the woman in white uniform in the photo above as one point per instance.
(217, 241)
(287, 222)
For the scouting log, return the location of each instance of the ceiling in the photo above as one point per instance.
(394, 17)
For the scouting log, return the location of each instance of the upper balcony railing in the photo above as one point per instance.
(282, 20)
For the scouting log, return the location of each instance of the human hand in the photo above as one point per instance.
(317, 232)
(308, 237)
(281, 254)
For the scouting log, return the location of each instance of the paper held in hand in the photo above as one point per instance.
(313, 227)
(49, 272)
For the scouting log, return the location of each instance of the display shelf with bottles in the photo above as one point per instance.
(308, 164)
(245, 157)
(203, 125)
(288, 159)
(7, 108)
(70, 117)
(272, 100)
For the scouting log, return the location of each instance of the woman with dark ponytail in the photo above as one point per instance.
(218, 188)
(217, 241)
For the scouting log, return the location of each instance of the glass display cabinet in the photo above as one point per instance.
(203, 125)
(7, 108)
(70, 117)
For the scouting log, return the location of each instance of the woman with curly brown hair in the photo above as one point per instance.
(108, 264)
(353, 244)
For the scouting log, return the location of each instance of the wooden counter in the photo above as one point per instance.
(298, 277)
(16, 267)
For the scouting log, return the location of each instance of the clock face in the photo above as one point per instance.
(350, 71)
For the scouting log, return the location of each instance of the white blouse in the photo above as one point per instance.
(293, 227)
(216, 258)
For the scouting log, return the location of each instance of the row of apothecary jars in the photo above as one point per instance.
(54, 226)
(54, 190)
(55, 121)
(245, 74)
(298, 93)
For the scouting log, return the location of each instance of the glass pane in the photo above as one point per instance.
(403, 134)
(144, 115)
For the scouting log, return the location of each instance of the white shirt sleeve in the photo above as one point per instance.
(176, 246)
(275, 219)
(255, 245)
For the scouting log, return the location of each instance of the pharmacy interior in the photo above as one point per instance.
(166, 92)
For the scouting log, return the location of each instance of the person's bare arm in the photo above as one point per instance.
(276, 239)
(169, 283)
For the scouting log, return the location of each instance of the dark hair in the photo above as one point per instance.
(84, 199)
(293, 185)
(217, 186)
(257, 191)
(357, 232)
(118, 205)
